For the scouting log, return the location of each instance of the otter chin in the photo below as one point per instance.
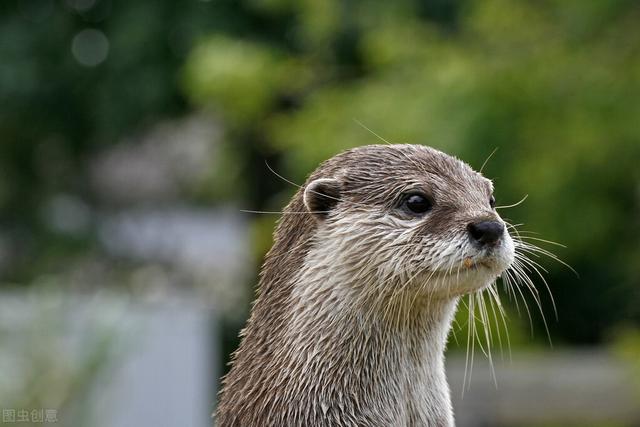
(357, 295)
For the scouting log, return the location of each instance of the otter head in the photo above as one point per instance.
(406, 217)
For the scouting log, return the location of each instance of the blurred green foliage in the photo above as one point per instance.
(555, 85)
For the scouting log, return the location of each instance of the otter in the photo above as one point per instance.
(357, 294)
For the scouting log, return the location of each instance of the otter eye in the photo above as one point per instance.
(492, 201)
(417, 203)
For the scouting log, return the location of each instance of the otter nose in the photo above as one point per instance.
(486, 232)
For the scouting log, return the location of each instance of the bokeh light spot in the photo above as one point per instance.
(90, 47)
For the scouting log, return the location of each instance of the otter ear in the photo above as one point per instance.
(321, 195)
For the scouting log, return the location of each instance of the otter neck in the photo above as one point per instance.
(381, 357)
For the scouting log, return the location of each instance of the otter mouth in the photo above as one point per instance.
(472, 264)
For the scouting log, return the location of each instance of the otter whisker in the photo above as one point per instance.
(492, 310)
(523, 263)
(551, 242)
(362, 125)
(515, 229)
(507, 281)
(417, 292)
(517, 278)
(531, 261)
(282, 212)
(486, 324)
(534, 266)
(521, 269)
(468, 366)
(381, 294)
(473, 336)
(483, 320)
(455, 325)
(513, 226)
(524, 246)
(327, 196)
(534, 293)
(513, 205)
(495, 301)
(487, 159)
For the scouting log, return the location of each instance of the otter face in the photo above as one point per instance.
(409, 214)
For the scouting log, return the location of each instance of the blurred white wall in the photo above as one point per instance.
(127, 363)
(591, 386)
